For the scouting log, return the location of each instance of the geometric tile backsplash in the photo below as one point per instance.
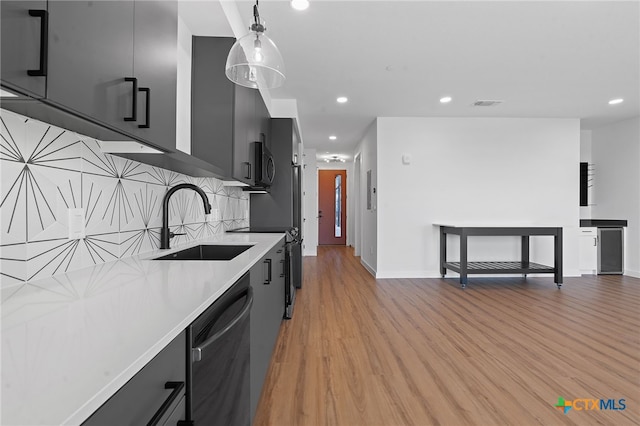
(46, 170)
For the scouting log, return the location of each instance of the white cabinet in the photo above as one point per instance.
(588, 250)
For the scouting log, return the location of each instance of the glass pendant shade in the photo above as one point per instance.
(255, 61)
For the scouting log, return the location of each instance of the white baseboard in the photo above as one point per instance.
(632, 273)
(368, 267)
(408, 274)
(311, 251)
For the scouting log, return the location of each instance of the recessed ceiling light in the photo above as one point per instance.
(342, 99)
(616, 101)
(445, 100)
(299, 4)
(333, 138)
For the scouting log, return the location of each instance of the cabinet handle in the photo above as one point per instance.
(134, 99)
(268, 262)
(147, 109)
(248, 175)
(44, 42)
(175, 393)
(595, 241)
(283, 268)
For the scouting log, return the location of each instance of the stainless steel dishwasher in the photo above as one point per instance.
(218, 378)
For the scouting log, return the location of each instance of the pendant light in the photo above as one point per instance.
(254, 60)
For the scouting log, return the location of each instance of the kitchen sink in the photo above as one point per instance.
(207, 252)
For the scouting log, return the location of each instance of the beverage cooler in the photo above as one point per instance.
(610, 251)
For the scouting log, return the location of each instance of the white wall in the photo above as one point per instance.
(356, 217)
(368, 149)
(183, 93)
(310, 210)
(616, 155)
(474, 169)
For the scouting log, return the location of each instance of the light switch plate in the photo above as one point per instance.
(76, 224)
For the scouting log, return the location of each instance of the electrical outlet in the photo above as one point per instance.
(370, 250)
(76, 224)
(215, 215)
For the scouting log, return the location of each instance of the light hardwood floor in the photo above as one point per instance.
(361, 351)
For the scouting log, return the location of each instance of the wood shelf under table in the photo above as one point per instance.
(523, 266)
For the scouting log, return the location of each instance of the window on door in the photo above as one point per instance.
(338, 204)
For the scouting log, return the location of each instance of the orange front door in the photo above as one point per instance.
(332, 207)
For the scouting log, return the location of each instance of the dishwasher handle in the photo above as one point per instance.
(196, 353)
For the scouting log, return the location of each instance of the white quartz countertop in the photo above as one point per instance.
(70, 342)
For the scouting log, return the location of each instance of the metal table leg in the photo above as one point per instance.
(524, 257)
(463, 259)
(443, 252)
(557, 258)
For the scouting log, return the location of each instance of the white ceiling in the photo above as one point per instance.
(398, 58)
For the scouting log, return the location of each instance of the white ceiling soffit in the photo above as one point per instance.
(205, 18)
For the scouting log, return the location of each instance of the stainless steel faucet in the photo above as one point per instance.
(165, 234)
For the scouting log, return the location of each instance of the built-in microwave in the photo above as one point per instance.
(264, 165)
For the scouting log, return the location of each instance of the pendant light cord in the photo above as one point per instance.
(257, 26)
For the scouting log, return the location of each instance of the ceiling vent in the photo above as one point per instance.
(486, 103)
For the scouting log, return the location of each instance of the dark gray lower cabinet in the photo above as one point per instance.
(153, 396)
(156, 394)
(267, 280)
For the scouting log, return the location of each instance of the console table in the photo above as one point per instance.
(524, 266)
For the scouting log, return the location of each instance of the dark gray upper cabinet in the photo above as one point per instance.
(244, 132)
(155, 67)
(276, 208)
(95, 46)
(212, 103)
(223, 123)
(263, 120)
(90, 54)
(21, 46)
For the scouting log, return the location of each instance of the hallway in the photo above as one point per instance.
(361, 351)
